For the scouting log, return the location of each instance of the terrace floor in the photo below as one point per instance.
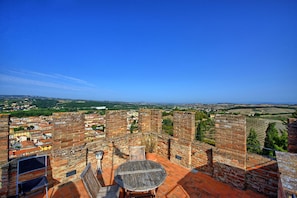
(180, 183)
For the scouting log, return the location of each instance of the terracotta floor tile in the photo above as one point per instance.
(180, 182)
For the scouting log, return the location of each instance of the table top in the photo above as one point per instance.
(140, 176)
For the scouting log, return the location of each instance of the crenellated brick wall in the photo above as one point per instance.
(156, 121)
(4, 175)
(150, 120)
(116, 123)
(202, 157)
(230, 153)
(231, 139)
(68, 152)
(68, 130)
(292, 135)
(262, 175)
(227, 162)
(184, 134)
(184, 125)
(180, 152)
(164, 145)
(4, 131)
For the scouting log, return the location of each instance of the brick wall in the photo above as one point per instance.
(68, 130)
(226, 162)
(230, 153)
(116, 123)
(4, 176)
(4, 130)
(202, 157)
(164, 145)
(262, 175)
(184, 134)
(180, 152)
(156, 121)
(184, 125)
(292, 135)
(68, 152)
(144, 120)
(231, 140)
(150, 120)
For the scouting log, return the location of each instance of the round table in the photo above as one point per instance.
(140, 176)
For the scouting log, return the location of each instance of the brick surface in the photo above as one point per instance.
(116, 123)
(150, 120)
(231, 139)
(184, 125)
(292, 135)
(4, 171)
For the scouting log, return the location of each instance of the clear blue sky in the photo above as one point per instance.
(202, 51)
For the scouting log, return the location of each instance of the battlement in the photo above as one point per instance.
(227, 162)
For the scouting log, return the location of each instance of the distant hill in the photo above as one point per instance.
(25, 102)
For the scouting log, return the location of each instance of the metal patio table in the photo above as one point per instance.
(140, 176)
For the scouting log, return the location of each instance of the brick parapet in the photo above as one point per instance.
(156, 121)
(202, 157)
(68, 130)
(163, 145)
(231, 139)
(229, 174)
(180, 152)
(68, 163)
(262, 175)
(4, 139)
(184, 125)
(116, 123)
(222, 162)
(4, 180)
(144, 120)
(150, 120)
(292, 135)
(68, 153)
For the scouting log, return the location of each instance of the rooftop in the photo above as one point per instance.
(180, 182)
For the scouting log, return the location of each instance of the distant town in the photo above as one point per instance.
(11, 103)
(31, 119)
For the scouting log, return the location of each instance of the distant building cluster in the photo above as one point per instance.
(25, 104)
(31, 135)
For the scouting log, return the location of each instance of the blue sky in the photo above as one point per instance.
(203, 51)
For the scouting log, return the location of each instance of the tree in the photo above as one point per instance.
(273, 141)
(205, 128)
(294, 115)
(167, 126)
(200, 131)
(200, 115)
(270, 139)
(253, 144)
(282, 141)
(133, 126)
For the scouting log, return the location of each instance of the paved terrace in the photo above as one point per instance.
(180, 183)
